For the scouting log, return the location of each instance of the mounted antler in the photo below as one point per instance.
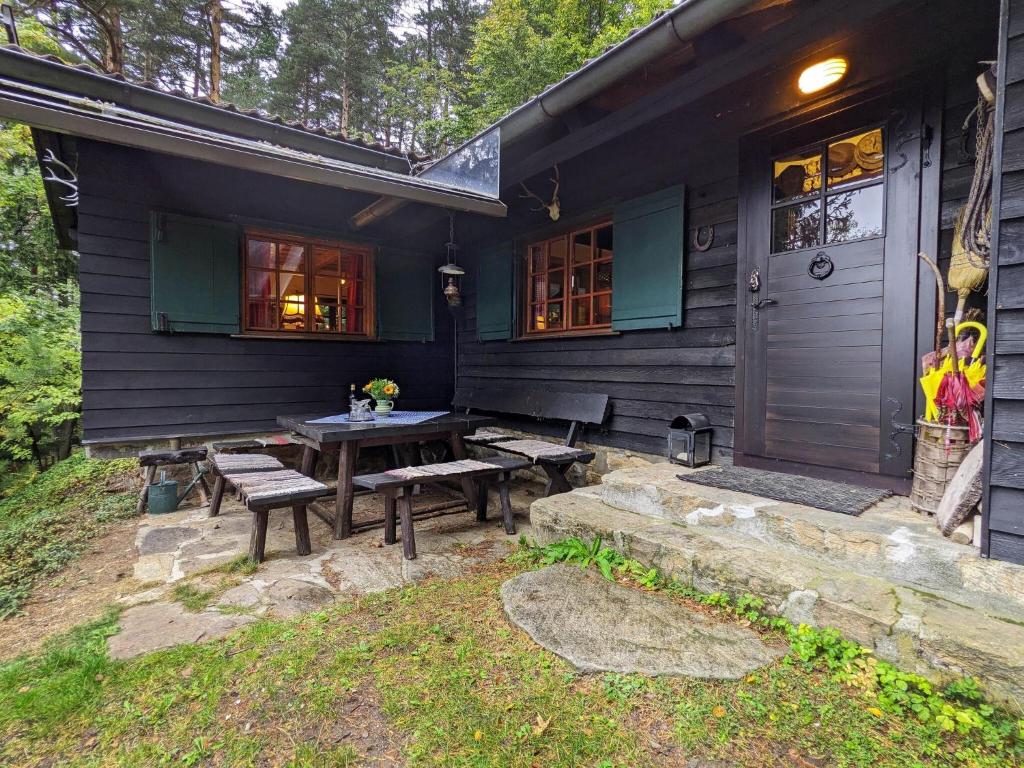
(50, 160)
(554, 207)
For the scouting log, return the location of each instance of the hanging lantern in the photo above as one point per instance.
(451, 272)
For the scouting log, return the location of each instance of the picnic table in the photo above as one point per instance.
(319, 432)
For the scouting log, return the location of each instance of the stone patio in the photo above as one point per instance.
(190, 547)
(887, 579)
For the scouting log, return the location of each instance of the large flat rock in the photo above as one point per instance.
(601, 626)
(150, 627)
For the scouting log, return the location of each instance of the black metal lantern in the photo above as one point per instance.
(451, 272)
(689, 440)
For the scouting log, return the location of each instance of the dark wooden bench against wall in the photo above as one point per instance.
(578, 409)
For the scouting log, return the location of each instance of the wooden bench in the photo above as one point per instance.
(150, 460)
(223, 464)
(264, 491)
(396, 486)
(578, 409)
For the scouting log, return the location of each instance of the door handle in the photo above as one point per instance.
(760, 304)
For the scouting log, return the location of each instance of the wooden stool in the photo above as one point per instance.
(396, 485)
(224, 464)
(164, 458)
(264, 491)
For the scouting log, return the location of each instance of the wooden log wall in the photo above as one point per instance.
(139, 384)
(1004, 442)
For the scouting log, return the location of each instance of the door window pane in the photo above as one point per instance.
(291, 258)
(581, 280)
(260, 284)
(603, 276)
(554, 319)
(556, 253)
(603, 309)
(603, 242)
(556, 284)
(856, 159)
(796, 226)
(580, 312)
(537, 259)
(796, 175)
(854, 215)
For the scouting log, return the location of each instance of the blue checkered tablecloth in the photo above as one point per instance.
(396, 418)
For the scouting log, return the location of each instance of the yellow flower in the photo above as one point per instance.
(389, 389)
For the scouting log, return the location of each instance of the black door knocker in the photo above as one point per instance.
(821, 266)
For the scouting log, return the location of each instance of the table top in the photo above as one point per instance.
(339, 432)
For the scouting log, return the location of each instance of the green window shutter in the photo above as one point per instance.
(494, 293)
(648, 288)
(406, 285)
(194, 281)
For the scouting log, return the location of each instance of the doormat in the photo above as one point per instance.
(809, 491)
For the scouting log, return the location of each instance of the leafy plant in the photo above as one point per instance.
(382, 390)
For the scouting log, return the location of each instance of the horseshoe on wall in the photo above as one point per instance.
(821, 266)
(703, 245)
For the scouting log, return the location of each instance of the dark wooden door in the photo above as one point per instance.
(827, 310)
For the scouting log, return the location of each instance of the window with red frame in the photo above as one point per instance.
(569, 282)
(298, 285)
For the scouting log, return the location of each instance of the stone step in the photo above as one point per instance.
(888, 541)
(914, 628)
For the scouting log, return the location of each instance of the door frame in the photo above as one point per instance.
(918, 178)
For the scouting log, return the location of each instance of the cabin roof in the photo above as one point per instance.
(201, 110)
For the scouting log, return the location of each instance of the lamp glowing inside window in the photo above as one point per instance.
(819, 76)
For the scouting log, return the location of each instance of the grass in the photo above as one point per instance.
(192, 597)
(46, 521)
(433, 675)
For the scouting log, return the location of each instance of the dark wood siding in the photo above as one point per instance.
(651, 376)
(1004, 440)
(137, 383)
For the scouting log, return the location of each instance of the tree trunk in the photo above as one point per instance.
(113, 39)
(37, 455)
(345, 97)
(215, 14)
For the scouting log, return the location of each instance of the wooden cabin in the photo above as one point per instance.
(722, 214)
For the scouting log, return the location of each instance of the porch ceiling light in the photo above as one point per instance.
(820, 76)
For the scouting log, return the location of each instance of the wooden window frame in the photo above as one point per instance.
(367, 253)
(824, 192)
(526, 304)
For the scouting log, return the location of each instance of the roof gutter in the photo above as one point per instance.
(674, 28)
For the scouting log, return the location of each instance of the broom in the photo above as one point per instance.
(968, 271)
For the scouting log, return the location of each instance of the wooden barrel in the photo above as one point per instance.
(935, 464)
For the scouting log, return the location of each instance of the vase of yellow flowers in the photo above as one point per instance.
(384, 392)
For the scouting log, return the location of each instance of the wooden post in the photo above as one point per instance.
(218, 495)
(258, 537)
(468, 486)
(405, 512)
(204, 490)
(309, 457)
(506, 504)
(390, 536)
(144, 493)
(346, 470)
(302, 543)
(481, 501)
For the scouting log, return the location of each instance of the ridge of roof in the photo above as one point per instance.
(256, 114)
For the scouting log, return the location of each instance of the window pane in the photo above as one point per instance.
(292, 257)
(603, 238)
(796, 226)
(854, 215)
(581, 280)
(262, 314)
(556, 253)
(554, 319)
(537, 263)
(352, 265)
(539, 288)
(796, 175)
(260, 254)
(603, 309)
(556, 284)
(537, 317)
(580, 312)
(260, 284)
(293, 301)
(325, 261)
(603, 276)
(353, 320)
(856, 159)
(581, 248)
